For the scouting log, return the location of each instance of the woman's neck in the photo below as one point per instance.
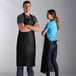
(51, 20)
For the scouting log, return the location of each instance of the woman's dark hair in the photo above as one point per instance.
(53, 13)
(25, 2)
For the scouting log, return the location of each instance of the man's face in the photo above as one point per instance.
(27, 7)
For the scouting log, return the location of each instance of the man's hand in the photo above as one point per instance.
(24, 28)
(35, 27)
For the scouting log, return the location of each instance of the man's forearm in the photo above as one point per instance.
(25, 29)
(34, 28)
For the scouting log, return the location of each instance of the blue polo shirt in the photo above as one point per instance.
(51, 28)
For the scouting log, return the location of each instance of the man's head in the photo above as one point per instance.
(26, 6)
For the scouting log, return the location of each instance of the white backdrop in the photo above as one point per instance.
(9, 9)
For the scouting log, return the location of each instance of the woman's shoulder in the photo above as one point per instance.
(49, 23)
(52, 22)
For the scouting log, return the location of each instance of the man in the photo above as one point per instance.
(27, 25)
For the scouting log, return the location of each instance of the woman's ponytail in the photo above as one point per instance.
(58, 23)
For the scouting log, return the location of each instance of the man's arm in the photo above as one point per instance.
(35, 27)
(23, 28)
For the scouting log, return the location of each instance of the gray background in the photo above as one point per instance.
(66, 10)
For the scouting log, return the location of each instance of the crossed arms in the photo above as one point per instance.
(28, 28)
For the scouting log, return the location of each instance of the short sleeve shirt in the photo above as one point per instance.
(21, 19)
(51, 28)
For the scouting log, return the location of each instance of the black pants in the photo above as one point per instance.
(51, 59)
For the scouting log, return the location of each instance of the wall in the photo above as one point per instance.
(66, 35)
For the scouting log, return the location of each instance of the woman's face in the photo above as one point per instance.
(49, 16)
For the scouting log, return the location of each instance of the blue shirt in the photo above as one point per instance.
(51, 28)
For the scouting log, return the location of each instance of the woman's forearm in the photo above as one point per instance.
(44, 32)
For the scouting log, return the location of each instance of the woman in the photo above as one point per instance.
(50, 44)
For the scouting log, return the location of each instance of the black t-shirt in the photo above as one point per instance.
(21, 19)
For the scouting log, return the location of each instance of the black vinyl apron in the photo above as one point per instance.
(46, 47)
(26, 46)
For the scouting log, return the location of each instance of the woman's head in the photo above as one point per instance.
(51, 14)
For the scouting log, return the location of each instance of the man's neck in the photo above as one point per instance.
(26, 13)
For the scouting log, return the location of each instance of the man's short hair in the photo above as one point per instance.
(25, 2)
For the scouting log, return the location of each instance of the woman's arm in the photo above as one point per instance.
(44, 32)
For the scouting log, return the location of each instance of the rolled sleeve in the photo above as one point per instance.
(20, 19)
(47, 26)
(35, 19)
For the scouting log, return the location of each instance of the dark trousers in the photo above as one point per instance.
(51, 59)
(20, 70)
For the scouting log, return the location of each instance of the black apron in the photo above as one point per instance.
(46, 47)
(26, 45)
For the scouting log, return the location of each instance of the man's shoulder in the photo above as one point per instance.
(20, 15)
(34, 18)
